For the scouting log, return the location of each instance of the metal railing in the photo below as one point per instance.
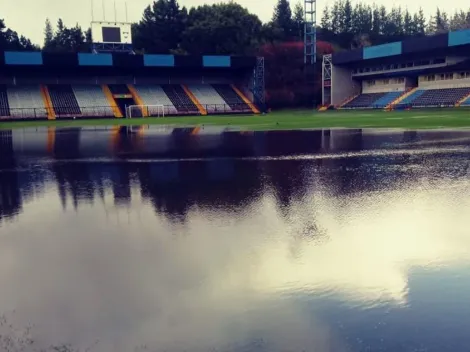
(107, 111)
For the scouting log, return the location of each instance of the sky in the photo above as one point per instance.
(27, 17)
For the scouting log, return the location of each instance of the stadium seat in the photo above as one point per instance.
(209, 98)
(180, 99)
(92, 101)
(385, 100)
(4, 105)
(26, 101)
(439, 97)
(415, 95)
(231, 98)
(63, 100)
(364, 101)
(155, 95)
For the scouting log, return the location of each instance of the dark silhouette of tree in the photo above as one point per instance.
(282, 18)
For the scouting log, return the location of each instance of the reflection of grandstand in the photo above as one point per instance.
(40, 85)
(420, 72)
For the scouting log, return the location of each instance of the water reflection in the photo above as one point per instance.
(329, 240)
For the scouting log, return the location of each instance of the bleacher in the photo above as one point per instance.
(92, 100)
(180, 99)
(387, 99)
(439, 97)
(231, 97)
(26, 102)
(155, 95)
(63, 100)
(364, 101)
(4, 105)
(209, 98)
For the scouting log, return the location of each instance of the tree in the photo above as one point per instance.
(282, 17)
(48, 35)
(298, 20)
(346, 23)
(326, 19)
(408, 24)
(225, 28)
(161, 27)
(421, 22)
(10, 40)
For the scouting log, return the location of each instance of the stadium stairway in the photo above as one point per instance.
(138, 99)
(4, 105)
(195, 101)
(63, 100)
(347, 101)
(245, 99)
(180, 99)
(385, 100)
(464, 101)
(404, 95)
(415, 94)
(46, 97)
(111, 101)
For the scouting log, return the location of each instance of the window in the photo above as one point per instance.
(401, 80)
(409, 64)
(402, 65)
(449, 76)
(386, 81)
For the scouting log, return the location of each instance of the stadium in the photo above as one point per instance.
(429, 72)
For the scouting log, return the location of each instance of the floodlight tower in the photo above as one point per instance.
(310, 39)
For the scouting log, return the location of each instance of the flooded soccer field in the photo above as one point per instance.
(202, 239)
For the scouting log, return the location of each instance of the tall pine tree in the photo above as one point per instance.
(282, 17)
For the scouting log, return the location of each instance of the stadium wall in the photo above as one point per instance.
(385, 85)
(342, 85)
(445, 80)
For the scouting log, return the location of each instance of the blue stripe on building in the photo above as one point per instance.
(216, 61)
(459, 37)
(159, 60)
(23, 58)
(384, 50)
(85, 59)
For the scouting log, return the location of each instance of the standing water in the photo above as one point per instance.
(156, 239)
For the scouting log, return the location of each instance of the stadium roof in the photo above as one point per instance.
(447, 41)
(119, 60)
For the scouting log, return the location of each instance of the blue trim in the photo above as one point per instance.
(159, 60)
(459, 37)
(86, 59)
(384, 50)
(216, 61)
(23, 58)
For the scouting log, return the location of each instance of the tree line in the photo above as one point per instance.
(228, 28)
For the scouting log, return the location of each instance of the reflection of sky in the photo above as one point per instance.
(127, 276)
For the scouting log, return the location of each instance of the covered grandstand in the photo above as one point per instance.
(431, 71)
(84, 85)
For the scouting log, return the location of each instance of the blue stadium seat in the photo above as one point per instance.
(386, 100)
(364, 101)
(415, 95)
(440, 97)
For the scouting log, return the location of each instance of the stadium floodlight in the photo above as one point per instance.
(133, 111)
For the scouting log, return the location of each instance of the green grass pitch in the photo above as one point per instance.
(285, 120)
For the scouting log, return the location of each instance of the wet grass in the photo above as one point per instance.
(285, 120)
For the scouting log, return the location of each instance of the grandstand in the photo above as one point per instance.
(58, 86)
(425, 72)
